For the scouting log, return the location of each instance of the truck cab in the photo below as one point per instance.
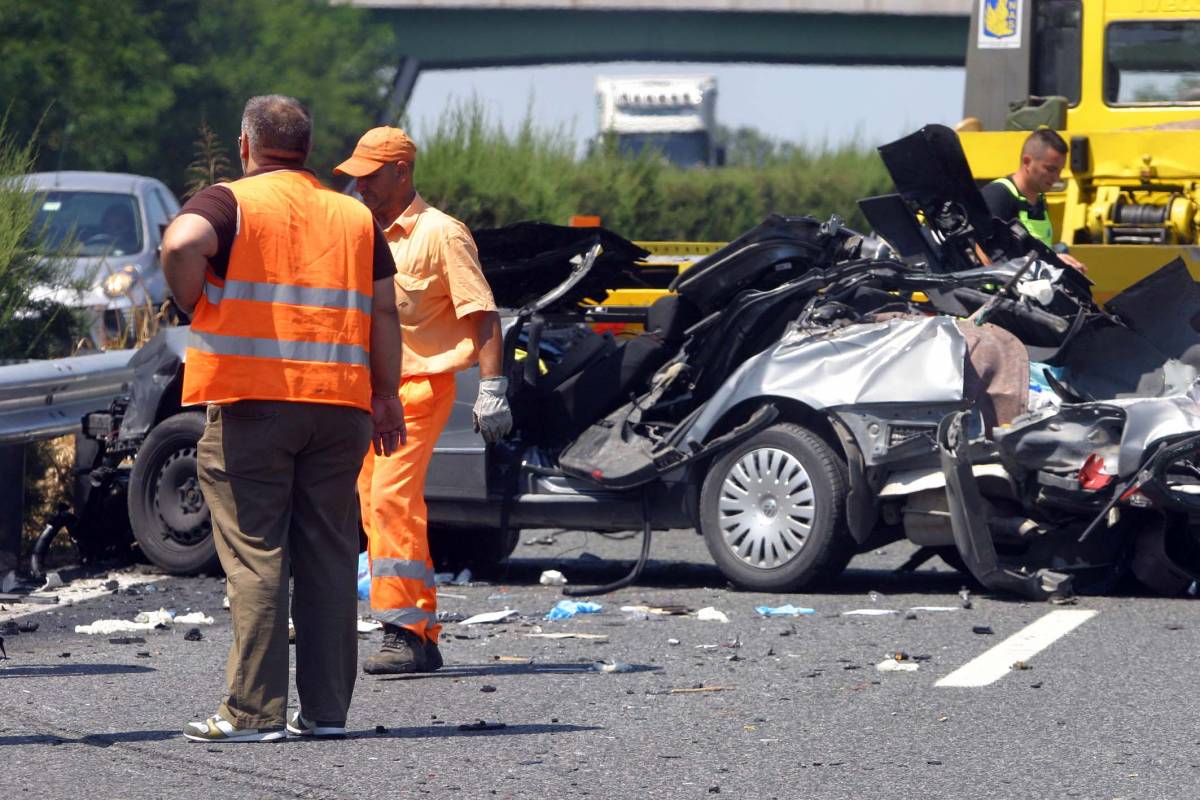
(1121, 80)
(675, 115)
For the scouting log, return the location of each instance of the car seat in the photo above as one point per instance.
(608, 381)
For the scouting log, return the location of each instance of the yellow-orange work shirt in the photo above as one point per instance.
(439, 281)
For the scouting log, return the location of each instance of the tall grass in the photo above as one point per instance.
(471, 167)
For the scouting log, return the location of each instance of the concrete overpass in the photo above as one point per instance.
(459, 34)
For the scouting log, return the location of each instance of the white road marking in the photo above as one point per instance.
(994, 664)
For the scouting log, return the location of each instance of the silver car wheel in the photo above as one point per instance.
(766, 508)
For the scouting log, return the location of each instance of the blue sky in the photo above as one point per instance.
(803, 104)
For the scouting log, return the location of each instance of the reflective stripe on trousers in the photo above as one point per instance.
(392, 498)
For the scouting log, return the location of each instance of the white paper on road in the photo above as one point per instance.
(710, 614)
(994, 664)
(870, 612)
(491, 617)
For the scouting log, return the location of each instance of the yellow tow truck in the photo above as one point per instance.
(1121, 80)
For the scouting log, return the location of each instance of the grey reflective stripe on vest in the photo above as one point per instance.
(404, 616)
(401, 568)
(261, 292)
(319, 352)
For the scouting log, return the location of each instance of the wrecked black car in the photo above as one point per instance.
(803, 394)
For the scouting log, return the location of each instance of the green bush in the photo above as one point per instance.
(469, 166)
(29, 327)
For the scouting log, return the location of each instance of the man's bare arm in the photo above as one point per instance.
(188, 243)
(491, 343)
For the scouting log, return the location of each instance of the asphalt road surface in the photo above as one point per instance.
(756, 708)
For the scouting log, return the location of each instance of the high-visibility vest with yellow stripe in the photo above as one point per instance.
(292, 318)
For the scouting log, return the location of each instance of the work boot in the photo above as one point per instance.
(433, 657)
(403, 652)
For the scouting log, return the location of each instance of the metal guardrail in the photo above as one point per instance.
(45, 399)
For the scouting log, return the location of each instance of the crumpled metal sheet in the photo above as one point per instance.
(896, 361)
(1149, 420)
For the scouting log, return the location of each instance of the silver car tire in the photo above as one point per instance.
(772, 511)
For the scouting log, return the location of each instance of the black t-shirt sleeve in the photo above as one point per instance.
(384, 265)
(217, 205)
(1000, 201)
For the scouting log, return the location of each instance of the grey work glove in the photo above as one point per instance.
(492, 416)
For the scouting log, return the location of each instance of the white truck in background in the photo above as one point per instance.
(675, 115)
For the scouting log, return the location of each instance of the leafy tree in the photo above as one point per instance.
(125, 84)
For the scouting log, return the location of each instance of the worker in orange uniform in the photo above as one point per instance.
(294, 350)
(449, 321)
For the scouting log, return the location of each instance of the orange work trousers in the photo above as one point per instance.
(391, 492)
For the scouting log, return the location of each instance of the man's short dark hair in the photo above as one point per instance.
(278, 123)
(1041, 140)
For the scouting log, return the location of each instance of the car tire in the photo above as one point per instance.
(772, 539)
(166, 509)
(481, 549)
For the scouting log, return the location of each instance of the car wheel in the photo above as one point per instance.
(481, 549)
(166, 509)
(772, 511)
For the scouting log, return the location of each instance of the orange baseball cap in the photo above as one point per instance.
(377, 147)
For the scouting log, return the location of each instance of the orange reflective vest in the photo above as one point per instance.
(292, 318)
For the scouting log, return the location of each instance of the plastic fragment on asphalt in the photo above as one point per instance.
(194, 618)
(870, 612)
(598, 637)
(368, 625)
(193, 635)
(53, 581)
(480, 725)
(492, 617)
(565, 609)
(612, 666)
(663, 611)
(450, 616)
(552, 577)
(152, 618)
(892, 665)
(788, 610)
(934, 608)
(983, 630)
(672, 642)
(710, 614)
(225, 602)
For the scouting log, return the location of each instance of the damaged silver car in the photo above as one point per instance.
(804, 394)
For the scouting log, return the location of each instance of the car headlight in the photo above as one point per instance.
(120, 282)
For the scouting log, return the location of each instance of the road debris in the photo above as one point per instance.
(598, 637)
(936, 608)
(983, 630)
(788, 610)
(481, 725)
(673, 642)
(513, 659)
(964, 597)
(127, 640)
(710, 614)
(897, 662)
(193, 635)
(612, 666)
(195, 618)
(565, 609)
(368, 625)
(870, 612)
(53, 581)
(552, 577)
(1020, 665)
(463, 578)
(487, 688)
(698, 689)
(492, 617)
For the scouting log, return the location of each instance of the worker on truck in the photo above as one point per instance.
(1022, 195)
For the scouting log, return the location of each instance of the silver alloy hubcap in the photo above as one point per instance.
(766, 508)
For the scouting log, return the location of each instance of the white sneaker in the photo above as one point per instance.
(298, 726)
(217, 729)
